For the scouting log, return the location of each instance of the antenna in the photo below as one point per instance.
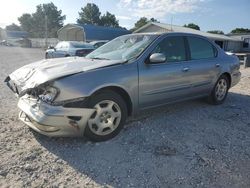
(171, 23)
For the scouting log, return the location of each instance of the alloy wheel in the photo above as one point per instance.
(221, 89)
(106, 118)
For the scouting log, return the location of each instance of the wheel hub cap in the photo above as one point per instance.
(221, 89)
(106, 117)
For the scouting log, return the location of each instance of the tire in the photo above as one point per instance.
(109, 118)
(220, 91)
(67, 55)
(46, 56)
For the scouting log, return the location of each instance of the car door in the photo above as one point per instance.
(203, 64)
(166, 81)
(62, 49)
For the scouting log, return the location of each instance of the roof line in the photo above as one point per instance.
(211, 35)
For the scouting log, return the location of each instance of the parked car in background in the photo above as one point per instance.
(69, 48)
(98, 44)
(93, 96)
(5, 43)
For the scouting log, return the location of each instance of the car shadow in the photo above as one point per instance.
(159, 146)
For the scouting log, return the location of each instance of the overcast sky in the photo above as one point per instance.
(222, 15)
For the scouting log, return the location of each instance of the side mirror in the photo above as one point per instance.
(157, 58)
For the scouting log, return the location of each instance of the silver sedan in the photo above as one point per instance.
(93, 96)
(69, 48)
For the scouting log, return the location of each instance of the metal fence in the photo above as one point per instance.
(40, 42)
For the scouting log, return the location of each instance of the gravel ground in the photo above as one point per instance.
(189, 144)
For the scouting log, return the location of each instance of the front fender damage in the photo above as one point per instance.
(53, 120)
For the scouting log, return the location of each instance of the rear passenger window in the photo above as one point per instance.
(173, 48)
(200, 48)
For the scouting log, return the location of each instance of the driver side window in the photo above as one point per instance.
(173, 48)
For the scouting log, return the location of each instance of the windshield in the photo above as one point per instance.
(123, 48)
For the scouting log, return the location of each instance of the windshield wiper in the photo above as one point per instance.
(100, 58)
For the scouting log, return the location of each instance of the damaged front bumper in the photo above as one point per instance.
(53, 120)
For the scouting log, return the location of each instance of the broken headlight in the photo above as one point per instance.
(48, 94)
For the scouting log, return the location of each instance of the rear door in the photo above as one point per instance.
(203, 64)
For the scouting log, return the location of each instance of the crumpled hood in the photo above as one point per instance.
(34, 74)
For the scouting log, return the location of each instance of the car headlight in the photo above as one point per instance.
(49, 94)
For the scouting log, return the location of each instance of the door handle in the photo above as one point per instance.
(217, 65)
(185, 69)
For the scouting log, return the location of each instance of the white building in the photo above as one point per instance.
(225, 42)
(88, 32)
(245, 37)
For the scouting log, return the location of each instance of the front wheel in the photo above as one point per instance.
(108, 119)
(220, 91)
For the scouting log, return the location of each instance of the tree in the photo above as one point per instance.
(26, 22)
(192, 26)
(154, 20)
(143, 21)
(109, 20)
(13, 27)
(90, 14)
(240, 30)
(35, 23)
(54, 19)
(216, 32)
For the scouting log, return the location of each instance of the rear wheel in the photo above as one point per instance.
(220, 91)
(108, 119)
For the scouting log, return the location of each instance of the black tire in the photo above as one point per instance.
(213, 98)
(46, 56)
(111, 96)
(67, 55)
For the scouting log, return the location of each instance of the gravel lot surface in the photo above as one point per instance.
(189, 144)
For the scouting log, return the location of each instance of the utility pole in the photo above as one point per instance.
(171, 23)
(46, 31)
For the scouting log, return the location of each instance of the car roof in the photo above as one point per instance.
(171, 33)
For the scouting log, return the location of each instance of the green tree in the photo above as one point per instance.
(143, 21)
(192, 26)
(216, 32)
(109, 20)
(13, 27)
(35, 23)
(240, 30)
(90, 14)
(26, 22)
(154, 20)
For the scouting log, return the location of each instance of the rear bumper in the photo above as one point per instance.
(53, 120)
